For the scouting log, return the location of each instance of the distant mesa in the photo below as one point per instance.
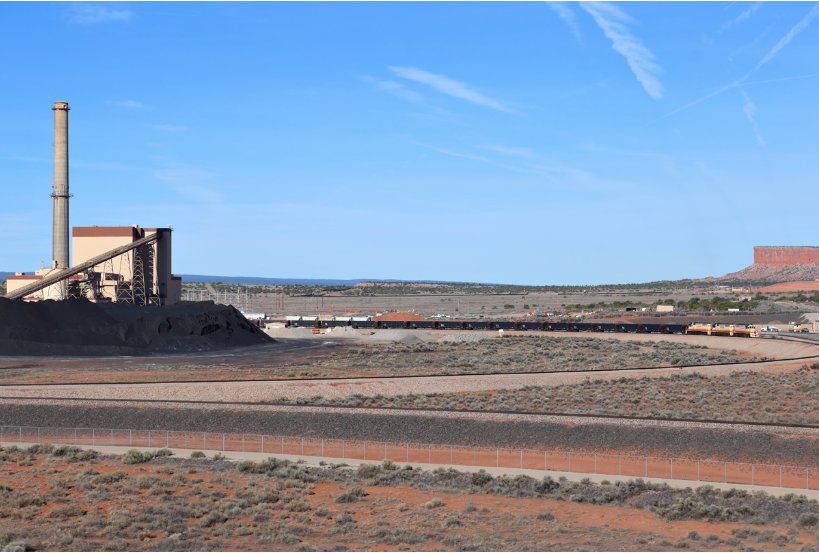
(796, 265)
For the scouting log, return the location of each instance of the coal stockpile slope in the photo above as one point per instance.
(694, 443)
(79, 327)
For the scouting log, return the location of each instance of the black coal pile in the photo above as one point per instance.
(80, 327)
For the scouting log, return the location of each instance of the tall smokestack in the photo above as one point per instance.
(60, 193)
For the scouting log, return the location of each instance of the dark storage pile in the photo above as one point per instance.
(80, 327)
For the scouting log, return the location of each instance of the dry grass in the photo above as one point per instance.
(512, 354)
(63, 503)
(743, 396)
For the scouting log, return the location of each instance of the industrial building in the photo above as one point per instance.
(120, 264)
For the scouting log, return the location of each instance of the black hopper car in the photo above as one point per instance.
(646, 328)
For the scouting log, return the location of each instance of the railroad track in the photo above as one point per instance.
(416, 410)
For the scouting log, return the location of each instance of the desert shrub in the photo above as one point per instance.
(351, 496)
(481, 478)
(434, 503)
(18, 546)
(368, 471)
(38, 449)
(108, 478)
(67, 511)
(163, 452)
(135, 457)
(545, 516)
(808, 519)
(397, 536)
(197, 455)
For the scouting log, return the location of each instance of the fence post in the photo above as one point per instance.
(619, 465)
(429, 453)
(130, 437)
(262, 443)
(671, 460)
(407, 452)
(521, 458)
(497, 457)
(167, 439)
(545, 462)
(807, 479)
(780, 476)
(595, 462)
(646, 461)
(94, 441)
(451, 455)
(725, 472)
(243, 442)
(282, 437)
(223, 442)
(343, 449)
(149, 438)
(365, 450)
(112, 436)
(20, 429)
(75, 435)
(322, 447)
(753, 470)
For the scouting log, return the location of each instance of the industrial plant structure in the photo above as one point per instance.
(121, 264)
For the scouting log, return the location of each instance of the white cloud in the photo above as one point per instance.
(785, 40)
(395, 88)
(566, 13)
(87, 14)
(745, 14)
(128, 104)
(614, 24)
(509, 150)
(749, 109)
(449, 86)
(448, 152)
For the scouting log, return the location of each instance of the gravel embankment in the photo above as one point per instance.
(693, 440)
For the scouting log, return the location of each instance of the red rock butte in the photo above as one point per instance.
(784, 256)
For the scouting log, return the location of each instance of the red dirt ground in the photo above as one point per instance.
(799, 286)
(488, 521)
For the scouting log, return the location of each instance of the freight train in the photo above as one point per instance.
(708, 329)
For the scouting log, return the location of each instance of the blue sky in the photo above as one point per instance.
(526, 143)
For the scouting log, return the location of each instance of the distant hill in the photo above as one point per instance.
(248, 281)
(262, 280)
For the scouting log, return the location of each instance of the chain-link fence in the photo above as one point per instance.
(702, 470)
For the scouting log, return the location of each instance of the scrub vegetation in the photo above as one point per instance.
(67, 499)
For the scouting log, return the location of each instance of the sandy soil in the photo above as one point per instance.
(337, 388)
